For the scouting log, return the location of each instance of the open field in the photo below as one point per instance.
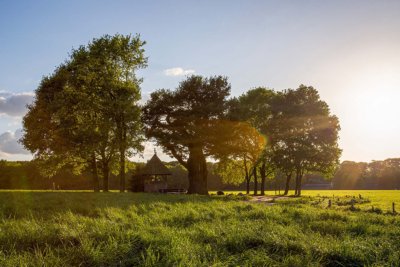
(381, 199)
(88, 229)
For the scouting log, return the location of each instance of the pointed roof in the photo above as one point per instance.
(155, 167)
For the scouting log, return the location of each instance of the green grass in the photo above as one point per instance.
(381, 199)
(88, 229)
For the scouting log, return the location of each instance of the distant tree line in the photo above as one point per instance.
(349, 175)
(86, 115)
(379, 174)
(28, 175)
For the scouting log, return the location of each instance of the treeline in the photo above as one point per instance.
(87, 116)
(384, 174)
(349, 175)
(261, 134)
(28, 175)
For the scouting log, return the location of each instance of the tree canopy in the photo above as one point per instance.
(86, 115)
(188, 123)
(305, 134)
(87, 111)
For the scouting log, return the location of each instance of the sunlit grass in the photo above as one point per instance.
(89, 229)
(382, 199)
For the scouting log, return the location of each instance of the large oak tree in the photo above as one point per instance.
(188, 124)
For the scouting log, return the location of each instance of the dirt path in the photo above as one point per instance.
(268, 200)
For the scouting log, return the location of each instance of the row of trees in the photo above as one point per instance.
(258, 134)
(350, 175)
(86, 114)
(300, 131)
(380, 174)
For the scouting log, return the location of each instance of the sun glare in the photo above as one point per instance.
(370, 118)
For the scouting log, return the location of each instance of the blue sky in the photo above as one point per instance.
(348, 50)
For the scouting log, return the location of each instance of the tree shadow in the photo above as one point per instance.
(44, 204)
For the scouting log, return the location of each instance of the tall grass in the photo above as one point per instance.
(88, 229)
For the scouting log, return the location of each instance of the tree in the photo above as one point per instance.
(305, 135)
(268, 167)
(254, 107)
(242, 149)
(187, 124)
(44, 127)
(231, 171)
(111, 62)
(87, 109)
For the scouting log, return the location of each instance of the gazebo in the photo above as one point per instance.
(154, 175)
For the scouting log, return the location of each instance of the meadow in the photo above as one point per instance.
(39, 228)
(379, 199)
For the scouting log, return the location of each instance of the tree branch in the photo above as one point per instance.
(177, 156)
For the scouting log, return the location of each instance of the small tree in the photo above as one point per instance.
(254, 107)
(244, 145)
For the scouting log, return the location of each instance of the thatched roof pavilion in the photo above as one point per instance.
(154, 175)
(155, 167)
(153, 178)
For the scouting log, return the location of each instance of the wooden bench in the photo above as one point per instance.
(173, 191)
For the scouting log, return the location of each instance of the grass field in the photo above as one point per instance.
(113, 229)
(380, 199)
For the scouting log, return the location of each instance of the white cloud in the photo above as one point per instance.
(14, 104)
(178, 72)
(9, 143)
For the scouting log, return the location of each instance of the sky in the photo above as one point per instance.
(348, 50)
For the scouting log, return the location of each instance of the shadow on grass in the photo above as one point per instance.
(20, 204)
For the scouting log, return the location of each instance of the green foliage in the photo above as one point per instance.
(231, 171)
(188, 116)
(32, 175)
(305, 133)
(87, 109)
(254, 106)
(188, 124)
(183, 230)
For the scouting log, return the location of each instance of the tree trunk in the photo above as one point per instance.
(106, 173)
(122, 150)
(247, 184)
(263, 176)
(299, 177)
(288, 177)
(279, 186)
(122, 172)
(197, 171)
(255, 180)
(247, 177)
(96, 182)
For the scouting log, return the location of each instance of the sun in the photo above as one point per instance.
(376, 105)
